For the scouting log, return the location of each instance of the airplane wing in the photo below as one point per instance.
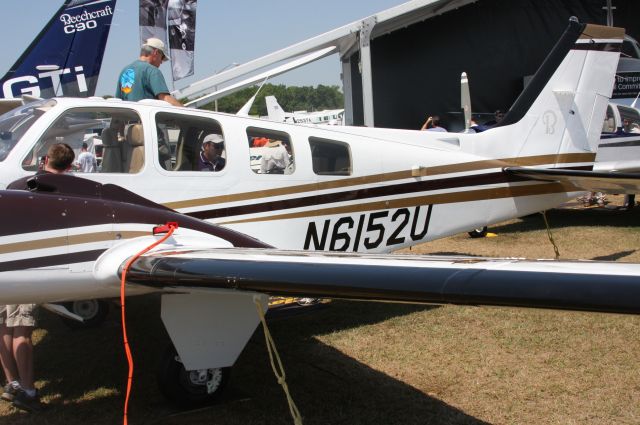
(580, 180)
(570, 285)
(296, 63)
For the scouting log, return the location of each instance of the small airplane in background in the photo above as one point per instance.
(619, 149)
(326, 116)
(65, 57)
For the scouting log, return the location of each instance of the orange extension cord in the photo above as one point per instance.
(169, 228)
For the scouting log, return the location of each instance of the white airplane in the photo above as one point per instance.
(344, 189)
(326, 116)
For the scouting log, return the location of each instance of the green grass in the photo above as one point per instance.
(375, 363)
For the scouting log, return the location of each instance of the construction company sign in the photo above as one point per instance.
(627, 85)
(85, 20)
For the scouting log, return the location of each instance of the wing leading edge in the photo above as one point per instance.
(569, 285)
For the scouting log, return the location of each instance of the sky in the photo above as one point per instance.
(226, 32)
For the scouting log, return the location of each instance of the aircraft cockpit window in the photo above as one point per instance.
(330, 157)
(104, 141)
(15, 123)
(188, 143)
(270, 151)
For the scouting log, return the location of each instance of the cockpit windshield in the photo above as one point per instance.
(16, 122)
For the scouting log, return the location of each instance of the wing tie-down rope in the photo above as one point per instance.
(553, 242)
(280, 376)
(168, 228)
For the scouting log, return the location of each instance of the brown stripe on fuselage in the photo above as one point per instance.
(408, 188)
(445, 198)
(60, 241)
(386, 177)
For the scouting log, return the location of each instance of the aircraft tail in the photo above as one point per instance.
(66, 55)
(274, 110)
(562, 109)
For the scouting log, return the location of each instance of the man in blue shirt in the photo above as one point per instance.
(142, 79)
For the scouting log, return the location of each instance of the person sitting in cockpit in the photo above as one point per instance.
(211, 154)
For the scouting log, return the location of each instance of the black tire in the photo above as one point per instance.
(92, 311)
(480, 232)
(185, 389)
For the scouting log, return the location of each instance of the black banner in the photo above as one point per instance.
(181, 22)
(627, 85)
(153, 20)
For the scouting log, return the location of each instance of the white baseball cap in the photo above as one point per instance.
(213, 138)
(156, 43)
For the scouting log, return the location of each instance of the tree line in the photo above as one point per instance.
(290, 98)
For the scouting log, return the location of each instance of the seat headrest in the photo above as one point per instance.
(135, 137)
(108, 137)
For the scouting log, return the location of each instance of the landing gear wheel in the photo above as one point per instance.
(189, 389)
(480, 232)
(92, 311)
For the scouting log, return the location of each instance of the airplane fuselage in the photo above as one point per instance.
(345, 189)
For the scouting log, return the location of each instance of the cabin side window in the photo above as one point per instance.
(270, 151)
(330, 157)
(188, 143)
(103, 140)
(630, 119)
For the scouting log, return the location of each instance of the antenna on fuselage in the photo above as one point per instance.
(244, 111)
(465, 100)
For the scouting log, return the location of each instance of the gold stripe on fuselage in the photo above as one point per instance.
(387, 177)
(61, 241)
